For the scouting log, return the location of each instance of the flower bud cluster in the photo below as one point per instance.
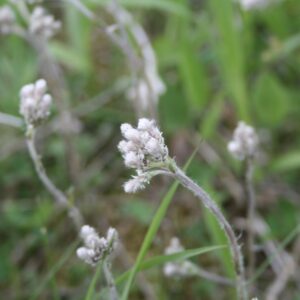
(142, 147)
(147, 91)
(96, 248)
(43, 24)
(7, 20)
(35, 103)
(244, 143)
(177, 268)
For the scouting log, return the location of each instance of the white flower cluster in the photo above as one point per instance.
(177, 268)
(244, 143)
(43, 24)
(35, 103)
(143, 146)
(253, 4)
(147, 91)
(7, 19)
(96, 248)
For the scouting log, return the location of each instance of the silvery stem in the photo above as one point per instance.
(215, 210)
(110, 280)
(250, 214)
(57, 194)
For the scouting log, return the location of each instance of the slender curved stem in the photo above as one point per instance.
(110, 280)
(215, 210)
(57, 194)
(250, 214)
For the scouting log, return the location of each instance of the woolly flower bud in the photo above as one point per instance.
(137, 183)
(96, 248)
(142, 145)
(35, 103)
(177, 268)
(7, 20)
(43, 24)
(143, 148)
(244, 143)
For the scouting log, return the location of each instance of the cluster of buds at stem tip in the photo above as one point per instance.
(178, 268)
(144, 150)
(7, 20)
(244, 143)
(43, 24)
(96, 248)
(35, 103)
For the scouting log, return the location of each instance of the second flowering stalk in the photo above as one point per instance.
(144, 150)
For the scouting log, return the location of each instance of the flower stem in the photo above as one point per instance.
(224, 224)
(57, 194)
(250, 214)
(110, 280)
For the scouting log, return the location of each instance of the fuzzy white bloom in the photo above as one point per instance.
(147, 91)
(7, 20)
(253, 4)
(43, 24)
(96, 248)
(35, 103)
(177, 268)
(244, 143)
(141, 147)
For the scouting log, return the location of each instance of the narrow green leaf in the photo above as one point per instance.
(51, 274)
(162, 259)
(287, 162)
(91, 290)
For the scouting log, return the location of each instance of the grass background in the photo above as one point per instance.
(220, 65)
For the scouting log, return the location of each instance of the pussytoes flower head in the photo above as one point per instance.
(177, 268)
(35, 102)
(7, 20)
(141, 148)
(244, 142)
(96, 248)
(43, 24)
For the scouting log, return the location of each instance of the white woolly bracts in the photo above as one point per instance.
(35, 103)
(43, 24)
(177, 268)
(96, 248)
(244, 142)
(141, 148)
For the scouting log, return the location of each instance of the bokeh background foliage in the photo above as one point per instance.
(220, 65)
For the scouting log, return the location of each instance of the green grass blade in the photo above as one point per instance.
(91, 290)
(162, 259)
(156, 221)
(50, 275)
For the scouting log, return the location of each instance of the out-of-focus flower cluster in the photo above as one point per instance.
(96, 248)
(244, 143)
(147, 90)
(43, 24)
(254, 4)
(7, 20)
(177, 268)
(142, 148)
(35, 103)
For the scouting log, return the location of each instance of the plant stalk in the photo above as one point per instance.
(224, 224)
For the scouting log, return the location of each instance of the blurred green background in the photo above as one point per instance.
(220, 64)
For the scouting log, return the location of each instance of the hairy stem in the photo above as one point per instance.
(215, 210)
(56, 193)
(250, 215)
(110, 280)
